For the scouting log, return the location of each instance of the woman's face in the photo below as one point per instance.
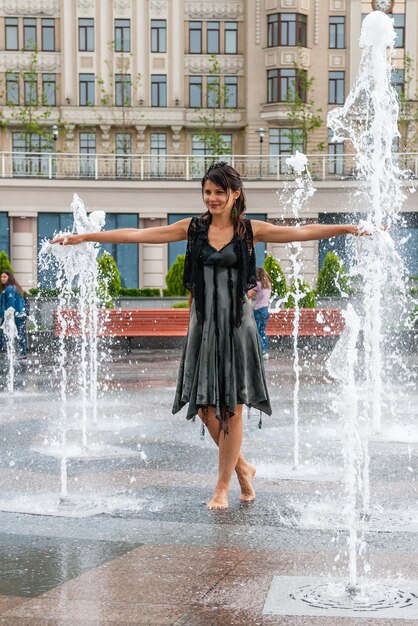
(4, 278)
(217, 200)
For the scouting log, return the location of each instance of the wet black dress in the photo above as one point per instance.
(222, 364)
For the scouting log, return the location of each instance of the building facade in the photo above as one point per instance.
(125, 101)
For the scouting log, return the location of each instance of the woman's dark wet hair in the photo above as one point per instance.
(12, 281)
(227, 178)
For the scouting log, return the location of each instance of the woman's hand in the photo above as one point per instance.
(68, 240)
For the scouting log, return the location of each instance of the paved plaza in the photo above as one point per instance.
(134, 543)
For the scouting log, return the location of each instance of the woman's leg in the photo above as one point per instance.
(230, 458)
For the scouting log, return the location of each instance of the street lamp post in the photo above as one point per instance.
(54, 137)
(261, 139)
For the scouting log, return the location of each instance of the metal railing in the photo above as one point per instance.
(177, 167)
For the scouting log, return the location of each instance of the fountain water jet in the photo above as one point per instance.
(10, 333)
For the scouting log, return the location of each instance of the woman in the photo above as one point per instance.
(262, 293)
(11, 295)
(222, 366)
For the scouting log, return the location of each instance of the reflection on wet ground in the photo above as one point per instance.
(135, 544)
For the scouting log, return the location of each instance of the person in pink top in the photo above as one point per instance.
(262, 293)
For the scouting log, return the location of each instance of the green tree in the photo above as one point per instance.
(307, 301)
(109, 279)
(4, 262)
(302, 115)
(277, 277)
(174, 278)
(213, 117)
(332, 277)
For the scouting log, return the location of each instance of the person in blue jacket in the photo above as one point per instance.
(11, 295)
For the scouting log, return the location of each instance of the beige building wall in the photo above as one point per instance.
(178, 121)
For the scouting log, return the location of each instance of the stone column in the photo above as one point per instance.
(152, 266)
(23, 250)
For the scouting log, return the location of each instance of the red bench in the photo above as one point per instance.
(174, 322)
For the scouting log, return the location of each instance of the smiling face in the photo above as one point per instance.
(217, 200)
(4, 278)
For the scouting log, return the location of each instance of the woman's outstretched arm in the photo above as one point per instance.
(158, 234)
(269, 233)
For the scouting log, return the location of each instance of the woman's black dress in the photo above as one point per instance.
(222, 364)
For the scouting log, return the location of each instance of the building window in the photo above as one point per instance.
(122, 35)
(4, 233)
(195, 37)
(273, 30)
(158, 36)
(126, 255)
(398, 81)
(399, 26)
(48, 225)
(283, 85)
(336, 87)
(35, 160)
(195, 91)
(231, 92)
(213, 37)
(283, 142)
(158, 90)
(123, 90)
(213, 92)
(231, 37)
(158, 149)
(12, 33)
(205, 149)
(123, 151)
(86, 35)
(337, 32)
(287, 29)
(49, 84)
(87, 152)
(12, 88)
(336, 156)
(86, 85)
(30, 82)
(29, 33)
(48, 35)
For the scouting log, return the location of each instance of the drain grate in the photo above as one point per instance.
(310, 596)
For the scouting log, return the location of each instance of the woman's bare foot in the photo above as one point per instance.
(219, 500)
(245, 476)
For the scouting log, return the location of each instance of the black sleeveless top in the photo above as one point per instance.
(193, 280)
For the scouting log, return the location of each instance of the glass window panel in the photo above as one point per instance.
(158, 36)
(399, 25)
(12, 33)
(122, 35)
(212, 32)
(49, 89)
(48, 35)
(195, 37)
(213, 93)
(231, 91)
(158, 90)
(4, 233)
(231, 37)
(273, 30)
(195, 91)
(48, 225)
(30, 89)
(29, 33)
(336, 85)
(87, 151)
(86, 34)
(125, 255)
(86, 85)
(12, 88)
(337, 32)
(123, 90)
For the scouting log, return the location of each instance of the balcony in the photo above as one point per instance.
(134, 167)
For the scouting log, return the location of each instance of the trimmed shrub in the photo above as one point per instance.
(180, 305)
(109, 280)
(147, 292)
(5, 263)
(174, 278)
(307, 301)
(332, 277)
(277, 277)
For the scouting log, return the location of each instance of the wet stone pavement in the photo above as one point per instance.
(134, 543)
